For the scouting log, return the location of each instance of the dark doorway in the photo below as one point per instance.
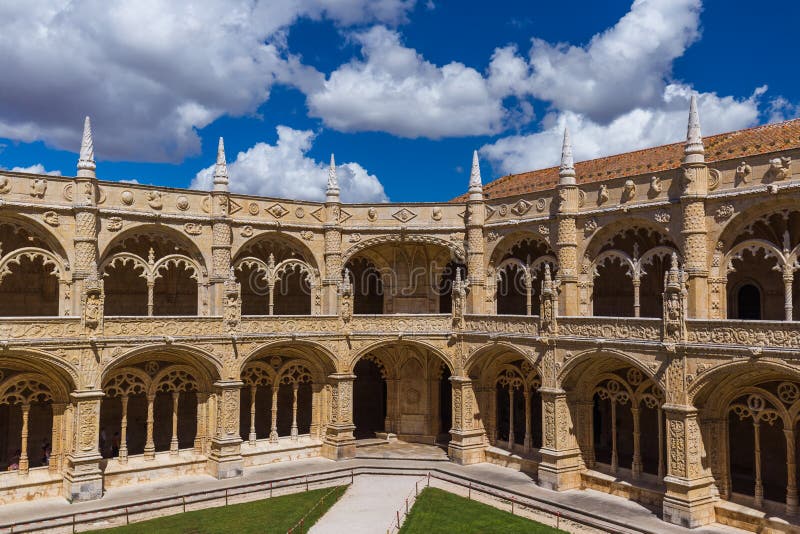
(369, 399)
(445, 407)
(748, 302)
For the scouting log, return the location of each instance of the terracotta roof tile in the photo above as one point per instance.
(731, 145)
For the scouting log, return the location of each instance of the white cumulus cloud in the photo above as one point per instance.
(622, 68)
(394, 89)
(36, 168)
(636, 129)
(284, 170)
(152, 72)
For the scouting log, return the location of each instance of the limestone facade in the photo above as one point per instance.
(638, 328)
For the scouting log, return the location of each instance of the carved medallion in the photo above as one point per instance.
(182, 203)
(277, 211)
(404, 215)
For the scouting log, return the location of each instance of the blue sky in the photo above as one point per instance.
(401, 91)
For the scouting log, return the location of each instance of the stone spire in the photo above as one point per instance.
(221, 169)
(566, 172)
(86, 165)
(475, 183)
(694, 151)
(332, 193)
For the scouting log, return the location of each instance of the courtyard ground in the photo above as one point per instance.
(439, 512)
(275, 515)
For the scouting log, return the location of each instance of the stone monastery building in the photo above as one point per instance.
(624, 324)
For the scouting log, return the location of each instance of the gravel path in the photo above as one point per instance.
(368, 506)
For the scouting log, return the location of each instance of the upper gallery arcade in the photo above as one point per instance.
(624, 316)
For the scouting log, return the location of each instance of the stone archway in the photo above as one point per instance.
(413, 378)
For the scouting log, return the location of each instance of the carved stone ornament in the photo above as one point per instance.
(548, 323)
(193, 228)
(743, 172)
(233, 301)
(92, 302)
(714, 177)
(182, 203)
(247, 231)
(277, 211)
(354, 238)
(346, 297)
(544, 229)
(662, 216)
(541, 204)
(655, 187)
(308, 235)
(127, 198)
(503, 210)
(521, 207)
(779, 168)
(155, 200)
(5, 185)
(724, 213)
(38, 188)
(404, 215)
(602, 195)
(253, 208)
(114, 224)
(581, 198)
(459, 299)
(590, 226)
(51, 218)
(675, 303)
(436, 213)
(492, 236)
(372, 214)
(628, 191)
(299, 213)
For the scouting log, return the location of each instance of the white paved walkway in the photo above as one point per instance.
(368, 506)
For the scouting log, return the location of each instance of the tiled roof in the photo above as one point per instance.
(726, 146)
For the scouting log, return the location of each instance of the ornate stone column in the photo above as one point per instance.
(339, 442)
(84, 201)
(693, 203)
(225, 458)
(561, 461)
(220, 234)
(560, 467)
(83, 479)
(332, 229)
(173, 442)
(467, 437)
(567, 235)
(123, 432)
(273, 428)
(689, 499)
(474, 219)
(149, 445)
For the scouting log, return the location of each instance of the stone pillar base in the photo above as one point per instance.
(467, 447)
(339, 443)
(689, 504)
(83, 480)
(560, 471)
(225, 460)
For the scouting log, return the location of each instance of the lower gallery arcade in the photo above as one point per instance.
(160, 413)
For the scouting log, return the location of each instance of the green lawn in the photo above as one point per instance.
(271, 515)
(437, 511)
